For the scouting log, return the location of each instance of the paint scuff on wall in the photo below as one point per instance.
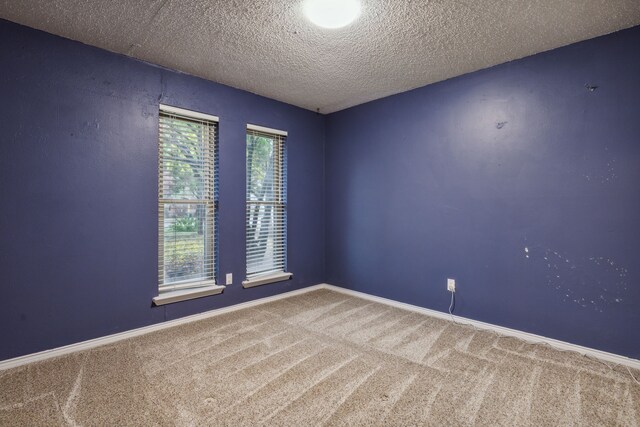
(593, 283)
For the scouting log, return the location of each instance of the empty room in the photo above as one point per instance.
(320, 213)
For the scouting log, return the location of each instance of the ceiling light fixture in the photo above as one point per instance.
(332, 13)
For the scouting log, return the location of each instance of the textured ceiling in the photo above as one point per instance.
(269, 48)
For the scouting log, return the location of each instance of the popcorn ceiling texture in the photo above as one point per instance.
(321, 358)
(268, 47)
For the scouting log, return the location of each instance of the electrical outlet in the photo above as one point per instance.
(229, 278)
(451, 285)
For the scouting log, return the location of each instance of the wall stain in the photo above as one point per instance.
(594, 283)
(605, 174)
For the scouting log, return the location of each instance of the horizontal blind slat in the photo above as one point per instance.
(265, 216)
(187, 186)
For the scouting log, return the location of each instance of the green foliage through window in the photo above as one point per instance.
(266, 211)
(187, 162)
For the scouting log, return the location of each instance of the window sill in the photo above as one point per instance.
(187, 294)
(263, 280)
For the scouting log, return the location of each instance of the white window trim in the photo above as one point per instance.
(280, 275)
(176, 286)
(187, 290)
(267, 130)
(187, 294)
(188, 113)
(263, 280)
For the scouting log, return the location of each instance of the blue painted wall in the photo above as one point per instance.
(518, 181)
(78, 190)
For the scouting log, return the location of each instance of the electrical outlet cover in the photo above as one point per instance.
(451, 285)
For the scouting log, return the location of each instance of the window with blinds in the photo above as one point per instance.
(187, 199)
(266, 216)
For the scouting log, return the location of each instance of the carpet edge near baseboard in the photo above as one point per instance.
(109, 339)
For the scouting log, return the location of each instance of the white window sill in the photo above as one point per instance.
(187, 294)
(263, 280)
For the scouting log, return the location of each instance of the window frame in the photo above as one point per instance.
(202, 286)
(271, 276)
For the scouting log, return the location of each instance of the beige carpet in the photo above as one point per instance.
(322, 358)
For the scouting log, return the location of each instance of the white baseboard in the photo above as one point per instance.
(526, 336)
(85, 345)
(109, 339)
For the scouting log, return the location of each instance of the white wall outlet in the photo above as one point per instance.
(451, 285)
(229, 278)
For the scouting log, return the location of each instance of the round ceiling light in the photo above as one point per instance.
(332, 13)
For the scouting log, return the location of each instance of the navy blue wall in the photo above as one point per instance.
(518, 181)
(78, 189)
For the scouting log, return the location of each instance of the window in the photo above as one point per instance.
(187, 200)
(266, 216)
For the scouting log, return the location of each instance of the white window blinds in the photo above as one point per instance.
(266, 216)
(187, 199)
